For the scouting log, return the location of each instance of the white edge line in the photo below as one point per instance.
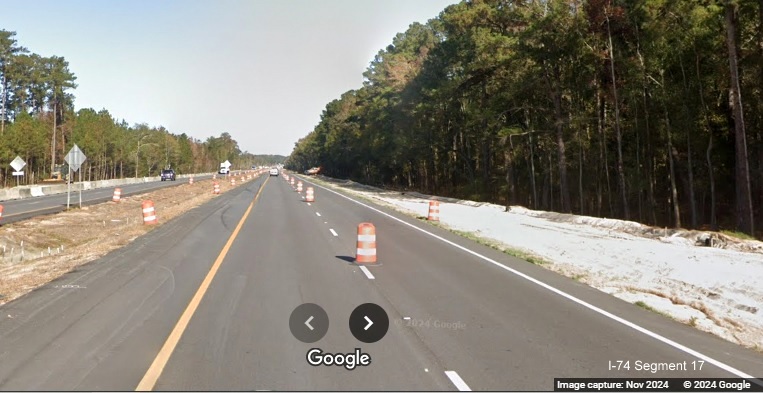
(333, 232)
(559, 292)
(367, 272)
(456, 379)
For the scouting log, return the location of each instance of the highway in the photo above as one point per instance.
(203, 302)
(22, 209)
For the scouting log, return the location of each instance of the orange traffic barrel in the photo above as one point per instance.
(117, 195)
(366, 252)
(310, 195)
(1, 212)
(434, 211)
(299, 186)
(190, 180)
(292, 181)
(216, 188)
(149, 214)
(232, 181)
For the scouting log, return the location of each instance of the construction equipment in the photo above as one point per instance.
(60, 175)
(313, 171)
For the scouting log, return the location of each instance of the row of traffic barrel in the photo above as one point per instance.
(365, 252)
(366, 244)
(149, 211)
(309, 191)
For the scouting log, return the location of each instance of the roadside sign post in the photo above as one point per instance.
(18, 164)
(68, 186)
(74, 158)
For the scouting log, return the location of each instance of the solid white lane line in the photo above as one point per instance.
(367, 272)
(664, 340)
(333, 232)
(456, 379)
(317, 214)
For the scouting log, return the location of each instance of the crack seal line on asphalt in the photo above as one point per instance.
(155, 370)
(566, 295)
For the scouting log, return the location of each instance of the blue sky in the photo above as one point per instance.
(262, 70)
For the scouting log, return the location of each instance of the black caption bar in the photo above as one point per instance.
(657, 385)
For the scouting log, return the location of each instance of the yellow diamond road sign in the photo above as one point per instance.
(75, 158)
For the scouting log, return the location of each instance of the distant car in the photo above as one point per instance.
(273, 172)
(168, 174)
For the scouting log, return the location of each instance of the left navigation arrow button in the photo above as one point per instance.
(309, 322)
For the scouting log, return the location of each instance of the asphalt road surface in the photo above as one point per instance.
(22, 209)
(204, 301)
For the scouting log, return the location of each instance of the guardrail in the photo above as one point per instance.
(22, 192)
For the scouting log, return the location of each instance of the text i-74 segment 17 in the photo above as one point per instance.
(654, 367)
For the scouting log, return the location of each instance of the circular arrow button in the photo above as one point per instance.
(309, 322)
(369, 323)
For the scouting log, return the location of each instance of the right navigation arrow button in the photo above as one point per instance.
(369, 323)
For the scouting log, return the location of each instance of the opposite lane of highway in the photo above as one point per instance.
(21, 209)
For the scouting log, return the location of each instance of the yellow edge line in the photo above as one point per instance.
(155, 371)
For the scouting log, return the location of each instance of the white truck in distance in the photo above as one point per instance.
(225, 167)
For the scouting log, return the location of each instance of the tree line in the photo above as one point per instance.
(645, 110)
(38, 122)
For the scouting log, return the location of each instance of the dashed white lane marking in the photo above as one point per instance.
(367, 272)
(607, 314)
(317, 214)
(333, 232)
(460, 384)
(308, 204)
